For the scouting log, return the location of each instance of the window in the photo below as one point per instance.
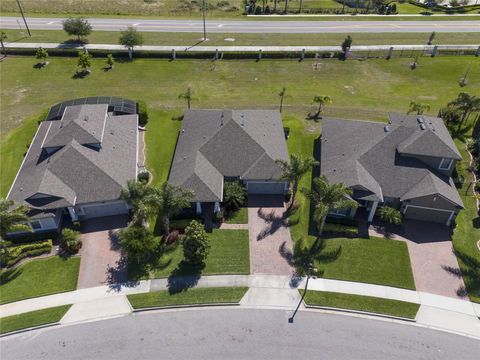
(36, 225)
(339, 212)
(445, 164)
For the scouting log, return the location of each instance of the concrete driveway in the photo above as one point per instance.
(435, 267)
(269, 235)
(100, 253)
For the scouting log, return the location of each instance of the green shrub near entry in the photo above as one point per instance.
(142, 113)
(341, 230)
(17, 253)
(71, 242)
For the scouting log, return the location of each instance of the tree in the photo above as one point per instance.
(110, 61)
(195, 244)
(13, 218)
(130, 38)
(188, 96)
(234, 195)
(71, 242)
(79, 27)
(326, 197)
(168, 200)
(300, 7)
(467, 104)
(42, 54)
(431, 37)
(286, 6)
(390, 215)
(321, 100)
(84, 61)
(346, 44)
(294, 170)
(282, 96)
(135, 194)
(417, 107)
(138, 243)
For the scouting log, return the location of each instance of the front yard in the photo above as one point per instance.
(39, 278)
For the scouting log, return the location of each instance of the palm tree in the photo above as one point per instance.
(168, 201)
(282, 96)
(187, 95)
(12, 218)
(135, 194)
(321, 100)
(390, 215)
(234, 195)
(467, 104)
(417, 107)
(326, 197)
(293, 171)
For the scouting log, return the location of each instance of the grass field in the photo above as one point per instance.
(214, 39)
(239, 217)
(362, 303)
(39, 278)
(188, 297)
(32, 319)
(229, 254)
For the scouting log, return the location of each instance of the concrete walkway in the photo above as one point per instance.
(265, 291)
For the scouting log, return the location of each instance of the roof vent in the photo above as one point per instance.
(61, 124)
(221, 119)
(422, 126)
(242, 118)
(85, 118)
(386, 128)
(112, 132)
(183, 130)
(420, 120)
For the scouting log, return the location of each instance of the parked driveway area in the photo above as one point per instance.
(100, 253)
(435, 267)
(269, 234)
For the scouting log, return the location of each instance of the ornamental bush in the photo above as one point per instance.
(17, 253)
(71, 242)
(195, 244)
(142, 113)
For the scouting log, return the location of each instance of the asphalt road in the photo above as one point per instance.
(227, 26)
(238, 334)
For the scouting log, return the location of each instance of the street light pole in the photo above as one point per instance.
(311, 270)
(23, 16)
(204, 27)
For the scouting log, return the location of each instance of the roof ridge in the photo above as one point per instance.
(257, 161)
(198, 175)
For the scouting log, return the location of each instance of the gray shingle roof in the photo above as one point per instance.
(363, 154)
(233, 143)
(78, 174)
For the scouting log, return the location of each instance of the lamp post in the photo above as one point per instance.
(311, 270)
(23, 16)
(204, 27)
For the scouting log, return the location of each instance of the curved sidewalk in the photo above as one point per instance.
(265, 291)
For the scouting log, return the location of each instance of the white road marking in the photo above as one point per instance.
(136, 24)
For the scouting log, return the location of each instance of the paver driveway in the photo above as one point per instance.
(435, 267)
(100, 253)
(270, 240)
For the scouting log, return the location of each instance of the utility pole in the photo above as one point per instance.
(204, 28)
(23, 16)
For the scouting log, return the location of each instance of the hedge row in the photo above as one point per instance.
(341, 230)
(17, 253)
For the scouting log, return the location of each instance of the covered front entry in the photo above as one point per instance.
(266, 187)
(102, 209)
(428, 214)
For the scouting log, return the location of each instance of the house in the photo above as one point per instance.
(218, 145)
(406, 164)
(81, 157)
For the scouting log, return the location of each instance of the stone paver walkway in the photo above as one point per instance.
(100, 253)
(269, 235)
(434, 265)
(225, 226)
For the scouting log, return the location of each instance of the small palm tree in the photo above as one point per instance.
(188, 96)
(294, 170)
(326, 197)
(321, 100)
(390, 215)
(110, 61)
(12, 218)
(417, 107)
(135, 195)
(234, 195)
(168, 200)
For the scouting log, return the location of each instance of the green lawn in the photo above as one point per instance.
(188, 297)
(32, 319)
(229, 254)
(362, 303)
(164, 38)
(39, 278)
(466, 235)
(239, 217)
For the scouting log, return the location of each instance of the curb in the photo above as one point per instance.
(393, 317)
(30, 329)
(186, 306)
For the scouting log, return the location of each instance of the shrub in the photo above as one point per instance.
(143, 177)
(219, 216)
(17, 253)
(234, 195)
(390, 215)
(341, 230)
(341, 221)
(195, 244)
(288, 196)
(142, 113)
(71, 242)
(138, 243)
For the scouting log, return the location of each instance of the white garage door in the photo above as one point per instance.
(262, 187)
(107, 209)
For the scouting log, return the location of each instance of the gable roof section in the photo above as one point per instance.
(233, 143)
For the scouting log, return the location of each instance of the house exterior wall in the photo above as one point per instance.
(434, 162)
(432, 201)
